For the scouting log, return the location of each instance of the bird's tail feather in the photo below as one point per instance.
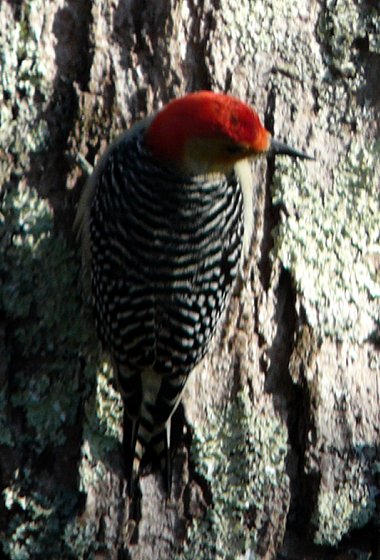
(149, 402)
(153, 447)
(160, 449)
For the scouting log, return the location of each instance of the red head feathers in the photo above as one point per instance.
(206, 128)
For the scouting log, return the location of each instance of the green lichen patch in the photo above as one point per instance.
(326, 239)
(80, 539)
(46, 335)
(40, 302)
(241, 455)
(109, 405)
(341, 24)
(350, 505)
(24, 88)
(104, 414)
(36, 520)
(102, 431)
(350, 45)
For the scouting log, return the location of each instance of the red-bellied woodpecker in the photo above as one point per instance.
(164, 219)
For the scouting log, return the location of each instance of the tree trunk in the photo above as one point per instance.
(278, 435)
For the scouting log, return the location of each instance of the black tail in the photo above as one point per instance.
(139, 450)
(149, 403)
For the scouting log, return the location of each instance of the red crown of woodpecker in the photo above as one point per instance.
(205, 115)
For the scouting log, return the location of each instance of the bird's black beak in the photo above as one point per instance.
(279, 148)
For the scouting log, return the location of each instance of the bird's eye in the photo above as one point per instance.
(234, 149)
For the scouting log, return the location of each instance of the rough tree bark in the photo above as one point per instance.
(278, 443)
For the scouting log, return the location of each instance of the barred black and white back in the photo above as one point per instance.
(164, 251)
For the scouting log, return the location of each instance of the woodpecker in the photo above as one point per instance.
(165, 219)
